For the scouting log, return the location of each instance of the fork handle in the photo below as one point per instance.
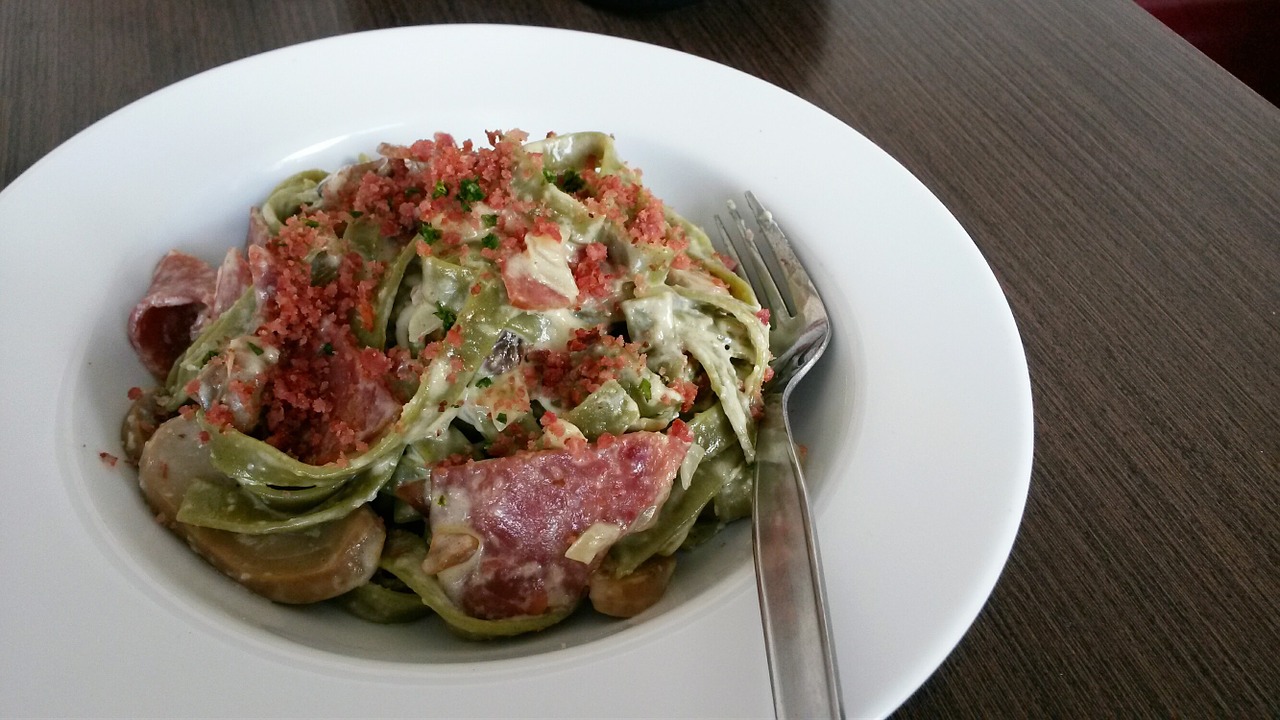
(797, 633)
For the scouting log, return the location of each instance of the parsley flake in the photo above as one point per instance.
(256, 350)
(484, 382)
(439, 191)
(490, 241)
(327, 349)
(571, 182)
(502, 417)
(447, 316)
(429, 234)
(490, 220)
(469, 191)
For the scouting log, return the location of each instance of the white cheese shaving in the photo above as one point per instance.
(688, 466)
(546, 261)
(596, 539)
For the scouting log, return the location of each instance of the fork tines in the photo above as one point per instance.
(760, 273)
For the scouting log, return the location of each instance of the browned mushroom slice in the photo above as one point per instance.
(308, 566)
(632, 594)
(295, 567)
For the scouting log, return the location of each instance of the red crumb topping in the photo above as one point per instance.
(514, 438)
(454, 459)
(327, 397)
(547, 228)
(636, 209)
(319, 290)
(688, 393)
(219, 415)
(763, 314)
(680, 430)
(108, 459)
(592, 273)
(591, 358)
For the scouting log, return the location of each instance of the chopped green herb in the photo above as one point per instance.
(646, 390)
(429, 234)
(411, 191)
(256, 350)
(502, 417)
(490, 220)
(440, 499)
(484, 382)
(439, 190)
(313, 223)
(355, 214)
(447, 316)
(469, 191)
(327, 349)
(208, 356)
(490, 241)
(571, 182)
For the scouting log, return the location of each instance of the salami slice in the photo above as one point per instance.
(362, 403)
(259, 234)
(540, 277)
(521, 535)
(232, 280)
(160, 325)
(528, 293)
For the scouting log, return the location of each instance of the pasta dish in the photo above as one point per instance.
(484, 383)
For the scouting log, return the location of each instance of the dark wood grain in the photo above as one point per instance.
(1126, 192)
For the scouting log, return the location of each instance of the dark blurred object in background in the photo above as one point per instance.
(639, 5)
(1242, 36)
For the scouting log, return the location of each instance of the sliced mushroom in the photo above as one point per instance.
(171, 460)
(144, 416)
(507, 352)
(632, 594)
(299, 567)
(449, 548)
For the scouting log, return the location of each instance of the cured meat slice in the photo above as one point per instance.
(259, 234)
(506, 531)
(160, 325)
(232, 279)
(362, 403)
(540, 278)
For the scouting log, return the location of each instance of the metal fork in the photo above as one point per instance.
(793, 609)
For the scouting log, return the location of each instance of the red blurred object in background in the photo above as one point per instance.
(1242, 36)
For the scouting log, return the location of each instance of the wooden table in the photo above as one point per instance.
(1126, 192)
